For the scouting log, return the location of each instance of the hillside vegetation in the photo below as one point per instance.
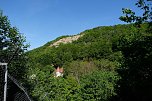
(95, 64)
(106, 63)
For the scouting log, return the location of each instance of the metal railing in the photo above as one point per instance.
(9, 83)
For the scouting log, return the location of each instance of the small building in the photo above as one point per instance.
(58, 72)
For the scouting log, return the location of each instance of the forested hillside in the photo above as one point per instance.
(95, 65)
(106, 63)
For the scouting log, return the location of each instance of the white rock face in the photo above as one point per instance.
(66, 40)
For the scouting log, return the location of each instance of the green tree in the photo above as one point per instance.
(48, 88)
(130, 16)
(12, 47)
(136, 49)
(98, 86)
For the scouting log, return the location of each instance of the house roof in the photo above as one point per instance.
(59, 70)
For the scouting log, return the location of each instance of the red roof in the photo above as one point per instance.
(59, 70)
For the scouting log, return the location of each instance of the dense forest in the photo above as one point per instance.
(102, 63)
(106, 63)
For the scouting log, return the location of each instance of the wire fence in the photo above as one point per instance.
(15, 91)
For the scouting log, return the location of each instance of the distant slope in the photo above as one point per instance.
(96, 43)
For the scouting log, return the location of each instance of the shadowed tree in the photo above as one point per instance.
(136, 71)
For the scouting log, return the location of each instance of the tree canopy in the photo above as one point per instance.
(12, 47)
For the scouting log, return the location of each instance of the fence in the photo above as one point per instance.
(10, 88)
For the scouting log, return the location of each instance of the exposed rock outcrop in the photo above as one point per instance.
(66, 40)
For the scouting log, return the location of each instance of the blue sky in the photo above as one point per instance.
(44, 20)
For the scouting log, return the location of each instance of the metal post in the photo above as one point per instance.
(5, 86)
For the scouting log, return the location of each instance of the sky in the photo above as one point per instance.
(41, 21)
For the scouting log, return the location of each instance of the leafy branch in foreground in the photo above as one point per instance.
(130, 16)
